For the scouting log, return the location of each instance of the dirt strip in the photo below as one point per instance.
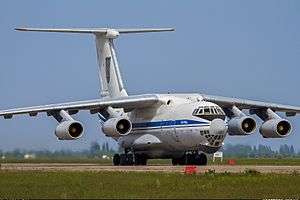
(153, 168)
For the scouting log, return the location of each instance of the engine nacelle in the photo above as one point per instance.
(243, 125)
(69, 130)
(275, 128)
(116, 127)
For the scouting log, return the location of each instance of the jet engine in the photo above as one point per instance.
(116, 127)
(243, 125)
(275, 128)
(240, 123)
(69, 130)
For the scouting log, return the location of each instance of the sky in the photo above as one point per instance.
(246, 49)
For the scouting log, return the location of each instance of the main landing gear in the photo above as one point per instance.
(129, 159)
(193, 158)
(189, 158)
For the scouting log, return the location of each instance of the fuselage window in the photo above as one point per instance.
(168, 102)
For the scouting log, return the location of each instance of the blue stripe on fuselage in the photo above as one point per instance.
(168, 123)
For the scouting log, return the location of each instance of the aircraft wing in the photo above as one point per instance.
(227, 102)
(94, 106)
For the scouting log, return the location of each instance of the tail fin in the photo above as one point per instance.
(110, 76)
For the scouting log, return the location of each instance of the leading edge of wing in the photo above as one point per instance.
(249, 104)
(128, 103)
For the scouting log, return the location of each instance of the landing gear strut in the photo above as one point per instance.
(193, 158)
(129, 159)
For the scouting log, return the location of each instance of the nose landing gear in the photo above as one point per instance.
(193, 158)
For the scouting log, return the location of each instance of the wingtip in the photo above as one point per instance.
(168, 29)
(20, 29)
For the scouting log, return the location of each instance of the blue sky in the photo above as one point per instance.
(247, 49)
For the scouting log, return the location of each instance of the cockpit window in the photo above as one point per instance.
(220, 111)
(200, 112)
(206, 110)
(209, 112)
(216, 111)
(195, 112)
(213, 110)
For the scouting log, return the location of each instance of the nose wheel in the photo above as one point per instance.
(193, 158)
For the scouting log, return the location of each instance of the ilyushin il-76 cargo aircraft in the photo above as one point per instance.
(181, 127)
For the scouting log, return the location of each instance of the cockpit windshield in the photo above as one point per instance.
(209, 112)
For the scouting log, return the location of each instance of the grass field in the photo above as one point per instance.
(60, 160)
(262, 161)
(16, 184)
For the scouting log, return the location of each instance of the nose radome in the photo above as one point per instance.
(217, 127)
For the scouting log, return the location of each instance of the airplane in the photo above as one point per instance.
(182, 127)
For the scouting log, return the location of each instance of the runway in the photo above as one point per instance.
(151, 168)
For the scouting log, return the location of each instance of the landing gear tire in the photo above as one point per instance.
(191, 159)
(186, 159)
(116, 160)
(175, 161)
(182, 160)
(201, 159)
(126, 159)
(140, 159)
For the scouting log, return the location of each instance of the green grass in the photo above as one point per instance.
(59, 160)
(239, 161)
(262, 161)
(26, 184)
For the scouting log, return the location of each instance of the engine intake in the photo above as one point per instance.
(244, 125)
(69, 130)
(116, 127)
(275, 128)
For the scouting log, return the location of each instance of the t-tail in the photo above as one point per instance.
(109, 72)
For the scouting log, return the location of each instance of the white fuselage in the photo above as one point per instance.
(172, 129)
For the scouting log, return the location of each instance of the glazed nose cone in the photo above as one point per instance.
(217, 127)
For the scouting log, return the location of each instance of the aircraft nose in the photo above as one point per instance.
(218, 127)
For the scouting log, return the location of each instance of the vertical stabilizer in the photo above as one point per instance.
(109, 73)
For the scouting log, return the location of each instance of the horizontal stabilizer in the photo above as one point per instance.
(96, 30)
